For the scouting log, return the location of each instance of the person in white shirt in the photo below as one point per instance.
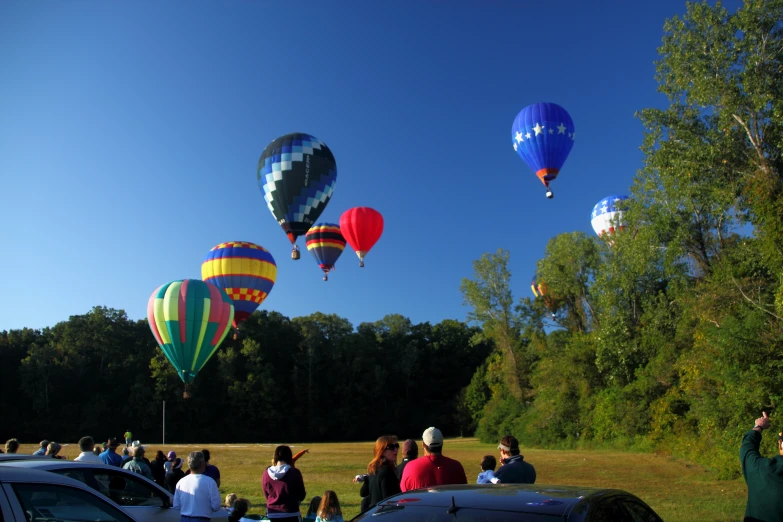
(196, 495)
(86, 445)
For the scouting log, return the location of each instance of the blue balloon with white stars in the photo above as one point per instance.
(543, 135)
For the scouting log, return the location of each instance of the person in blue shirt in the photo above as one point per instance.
(109, 455)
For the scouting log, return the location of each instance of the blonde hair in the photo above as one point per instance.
(380, 447)
(231, 499)
(330, 505)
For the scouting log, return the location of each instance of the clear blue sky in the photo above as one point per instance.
(130, 133)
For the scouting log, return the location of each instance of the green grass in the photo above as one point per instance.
(677, 490)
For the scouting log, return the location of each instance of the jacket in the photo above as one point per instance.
(516, 471)
(764, 478)
(284, 489)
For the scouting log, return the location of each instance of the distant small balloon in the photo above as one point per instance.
(326, 243)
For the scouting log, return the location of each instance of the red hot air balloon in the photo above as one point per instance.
(361, 227)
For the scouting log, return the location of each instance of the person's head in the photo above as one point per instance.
(172, 455)
(112, 443)
(241, 506)
(432, 441)
(509, 446)
(126, 452)
(97, 449)
(44, 444)
(176, 463)
(488, 463)
(160, 456)
(53, 449)
(282, 455)
(206, 454)
(330, 505)
(11, 446)
(231, 499)
(409, 449)
(315, 503)
(138, 452)
(386, 449)
(196, 462)
(86, 444)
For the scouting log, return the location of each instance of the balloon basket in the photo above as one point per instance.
(295, 254)
(186, 393)
(361, 264)
(326, 277)
(549, 194)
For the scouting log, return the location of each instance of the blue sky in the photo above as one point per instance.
(131, 132)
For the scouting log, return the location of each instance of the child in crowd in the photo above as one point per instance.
(329, 510)
(487, 475)
(231, 499)
(240, 508)
(312, 511)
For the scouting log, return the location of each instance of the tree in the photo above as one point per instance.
(492, 305)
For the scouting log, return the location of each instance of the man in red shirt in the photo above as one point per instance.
(433, 469)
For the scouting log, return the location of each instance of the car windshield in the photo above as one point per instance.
(395, 512)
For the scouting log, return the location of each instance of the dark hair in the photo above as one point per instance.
(330, 505)
(11, 445)
(160, 456)
(205, 452)
(488, 462)
(86, 443)
(314, 503)
(282, 454)
(241, 507)
(511, 442)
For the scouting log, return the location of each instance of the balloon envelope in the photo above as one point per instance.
(189, 319)
(543, 135)
(609, 214)
(297, 173)
(326, 243)
(361, 227)
(245, 271)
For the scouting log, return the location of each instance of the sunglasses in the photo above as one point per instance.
(394, 446)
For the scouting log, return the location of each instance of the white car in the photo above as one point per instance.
(37, 496)
(137, 496)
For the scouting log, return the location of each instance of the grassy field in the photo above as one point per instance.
(678, 491)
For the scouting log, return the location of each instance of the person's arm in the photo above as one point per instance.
(177, 500)
(365, 491)
(303, 492)
(214, 498)
(749, 449)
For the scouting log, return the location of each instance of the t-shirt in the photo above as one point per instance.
(432, 470)
(212, 471)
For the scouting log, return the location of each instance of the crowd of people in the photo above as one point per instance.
(197, 496)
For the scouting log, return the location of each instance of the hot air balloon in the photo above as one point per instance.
(189, 319)
(543, 134)
(609, 214)
(245, 271)
(326, 243)
(538, 289)
(297, 173)
(361, 227)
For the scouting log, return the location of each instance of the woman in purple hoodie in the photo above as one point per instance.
(283, 487)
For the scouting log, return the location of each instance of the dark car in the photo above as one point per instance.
(528, 502)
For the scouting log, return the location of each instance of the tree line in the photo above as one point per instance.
(314, 378)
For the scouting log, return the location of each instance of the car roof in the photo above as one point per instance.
(9, 457)
(49, 464)
(538, 498)
(17, 474)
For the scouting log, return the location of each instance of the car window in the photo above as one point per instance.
(640, 513)
(127, 490)
(394, 513)
(609, 510)
(52, 502)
